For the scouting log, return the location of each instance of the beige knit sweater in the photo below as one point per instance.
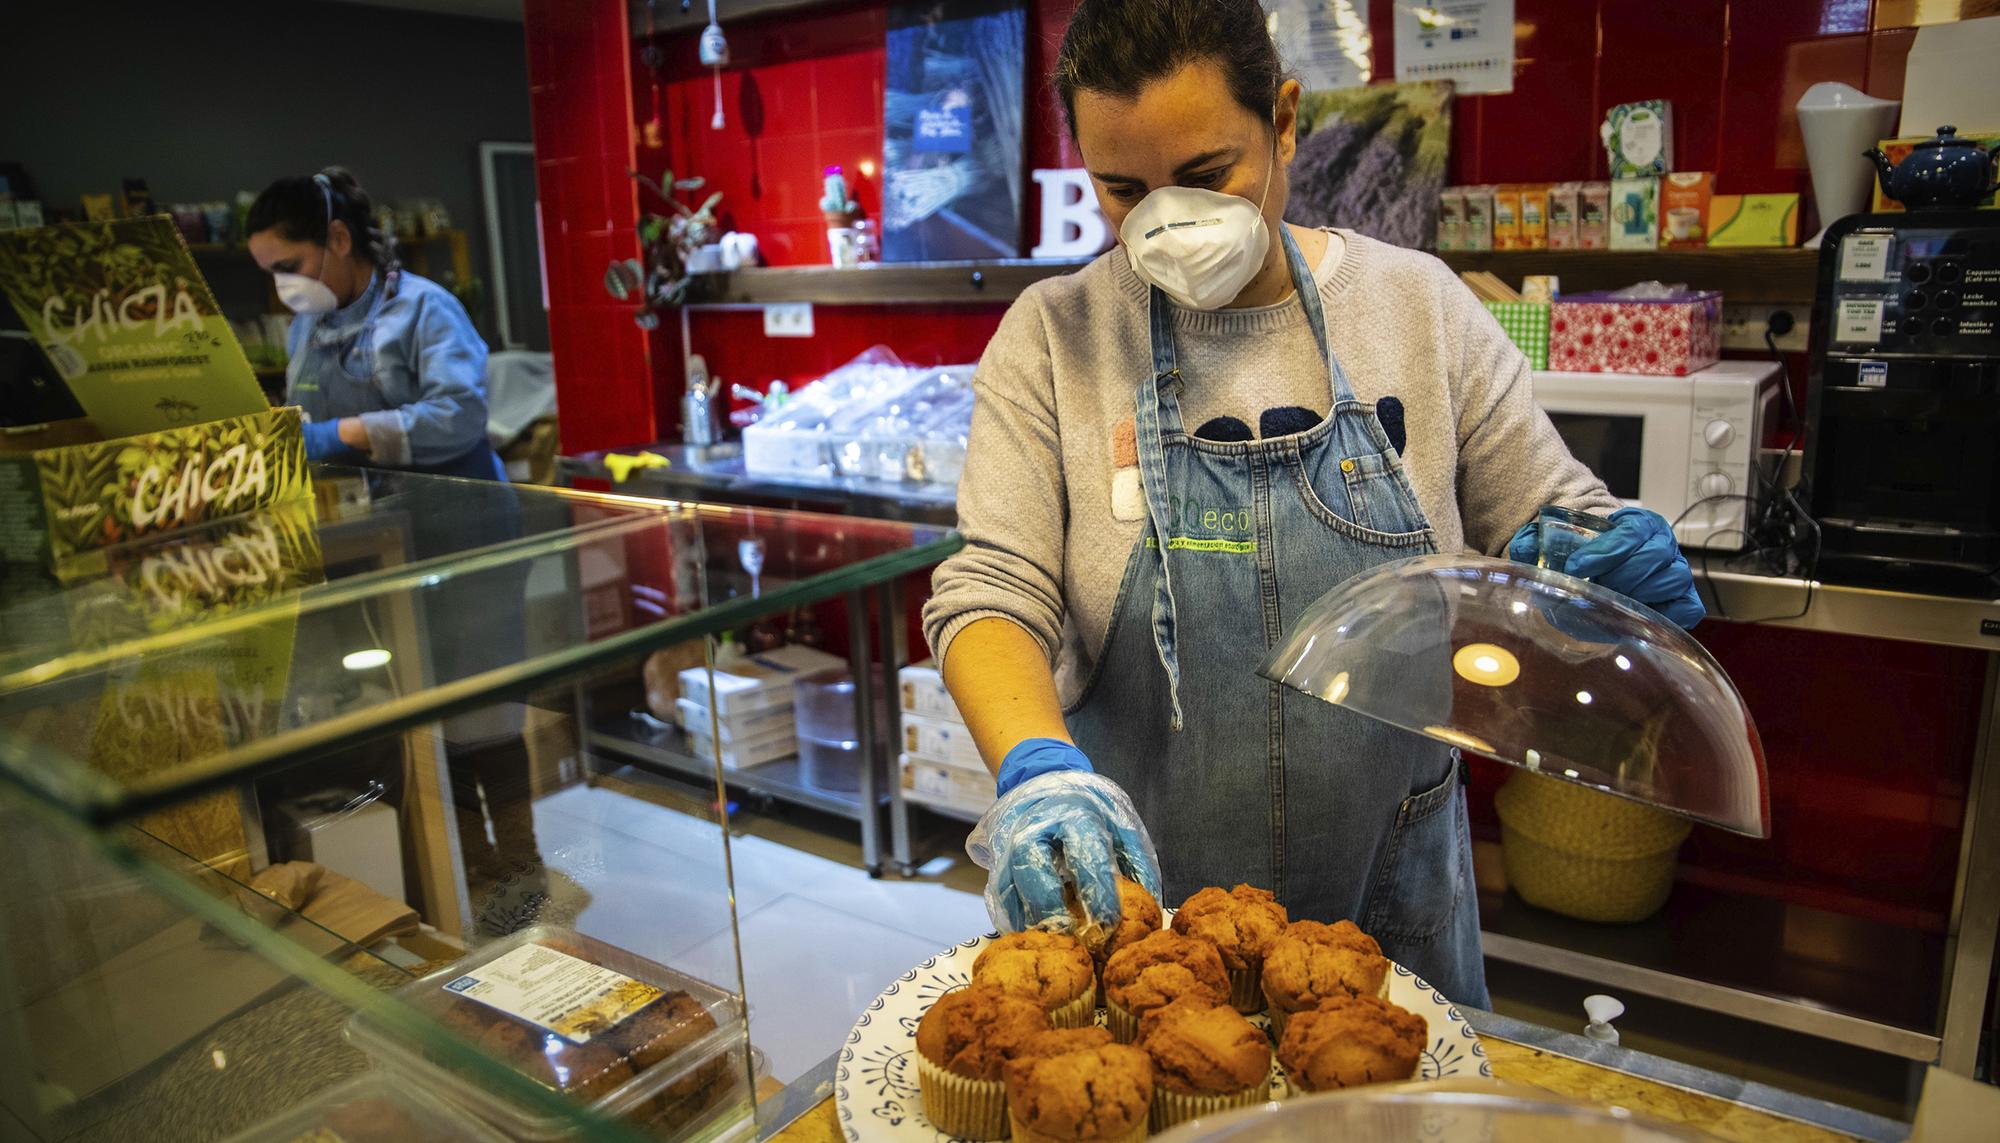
(1043, 546)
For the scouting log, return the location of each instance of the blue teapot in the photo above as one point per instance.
(1940, 174)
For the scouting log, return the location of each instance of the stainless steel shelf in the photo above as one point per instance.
(1840, 609)
(622, 736)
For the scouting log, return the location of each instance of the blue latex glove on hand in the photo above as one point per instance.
(1064, 824)
(1638, 558)
(1033, 756)
(323, 443)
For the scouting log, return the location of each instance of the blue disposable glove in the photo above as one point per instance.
(323, 443)
(1526, 546)
(1032, 756)
(1063, 824)
(1639, 559)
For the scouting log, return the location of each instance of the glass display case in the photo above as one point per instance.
(307, 798)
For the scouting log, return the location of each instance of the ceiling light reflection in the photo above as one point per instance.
(1487, 664)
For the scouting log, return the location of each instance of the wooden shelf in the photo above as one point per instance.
(1778, 275)
(883, 283)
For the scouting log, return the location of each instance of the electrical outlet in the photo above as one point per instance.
(1743, 326)
(792, 319)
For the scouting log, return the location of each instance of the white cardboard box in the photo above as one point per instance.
(924, 693)
(757, 682)
(935, 740)
(755, 724)
(746, 752)
(951, 787)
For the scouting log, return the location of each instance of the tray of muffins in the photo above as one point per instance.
(632, 1038)
(1108, 1035)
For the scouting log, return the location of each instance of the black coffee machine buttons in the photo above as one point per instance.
(1944, 327)
(1947, 299)
(1916, 300)
(1912, 326)
(1917, 272)
(1948, 271)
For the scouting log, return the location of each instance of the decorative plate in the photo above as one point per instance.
(875, 1082)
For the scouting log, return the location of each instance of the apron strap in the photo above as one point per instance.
(1158, 411)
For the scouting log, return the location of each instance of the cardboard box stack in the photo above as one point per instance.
(940, 765)
(752, 705)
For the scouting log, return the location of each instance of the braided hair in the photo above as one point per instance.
(301, 209)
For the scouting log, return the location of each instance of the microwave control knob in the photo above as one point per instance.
(1715, 484)
(1718, 433)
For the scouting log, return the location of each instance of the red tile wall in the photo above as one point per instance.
(580, 96)
(1866, 807)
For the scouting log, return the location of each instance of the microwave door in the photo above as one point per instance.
(1632, 432)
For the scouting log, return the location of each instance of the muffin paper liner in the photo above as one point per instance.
(1124, 1025)
(1171, 1108)
(960, 1107)
(1246, 989)
(1077, 1013)
(1024, 1134)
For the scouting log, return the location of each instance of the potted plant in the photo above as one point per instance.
(659, 279)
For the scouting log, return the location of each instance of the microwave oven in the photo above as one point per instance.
(1685, 447)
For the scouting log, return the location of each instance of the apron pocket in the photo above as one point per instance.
(1425, 871)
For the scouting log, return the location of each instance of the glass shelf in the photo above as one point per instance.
(384, 694)
(284, 611)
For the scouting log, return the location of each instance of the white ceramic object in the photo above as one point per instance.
(1839, 123)
(875, 1082)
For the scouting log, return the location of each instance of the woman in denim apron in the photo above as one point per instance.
(1171, 744)
(385, 364)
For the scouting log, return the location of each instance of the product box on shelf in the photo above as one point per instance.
(744, 752)
(1535, 217)
(1451, 218)
(1527, 326)
(1596, 333)
(1507, 218)
(947, 787)
(1639, 138)
(1753, 220)
(631, 1037)
(1635, 213)
(924, 692)
(1593, 216)
(936, 740)
(737, 726)
(1478, 232)
(1684, 197)
(1562, 216)
(749, 683)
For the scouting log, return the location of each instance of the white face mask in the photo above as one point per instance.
(303, 295)
(1199, 246)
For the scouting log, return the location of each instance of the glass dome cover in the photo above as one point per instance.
(1445, 1111)
(1541, 670)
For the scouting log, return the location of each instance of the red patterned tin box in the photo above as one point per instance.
(1595, 333)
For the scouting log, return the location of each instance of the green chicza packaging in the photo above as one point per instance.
(68, 498)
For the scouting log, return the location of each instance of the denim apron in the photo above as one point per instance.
(1336, 813)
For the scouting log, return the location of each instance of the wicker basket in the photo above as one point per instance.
(1586, 854)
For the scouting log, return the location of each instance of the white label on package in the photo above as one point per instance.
(1864, 258)
(1873, 375)
(573, 998)
(1860, 321)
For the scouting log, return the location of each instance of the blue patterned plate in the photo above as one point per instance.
(875, 1084)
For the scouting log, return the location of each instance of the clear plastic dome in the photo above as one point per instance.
(1540, 669)
(1445, 1112)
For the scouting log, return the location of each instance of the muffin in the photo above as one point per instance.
(1061, 1041)
(1350, 1041)
(1240, 923)
(1206, 1058)
(963, 1041)
(1158, 969)
(1138, 915)
(1091, 1095)
(1054, 968)
(1310, 962)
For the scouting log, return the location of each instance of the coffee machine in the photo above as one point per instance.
(1902, 463)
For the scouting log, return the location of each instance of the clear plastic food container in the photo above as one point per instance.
(829, 748)
(373, 1107)
(1447, 1111)
(674, 1065)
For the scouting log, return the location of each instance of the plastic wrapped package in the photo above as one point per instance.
(874, 418)
(375, 1107)
(669, 1063)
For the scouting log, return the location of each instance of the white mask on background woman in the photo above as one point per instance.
(303, 295)
(1199, 246)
